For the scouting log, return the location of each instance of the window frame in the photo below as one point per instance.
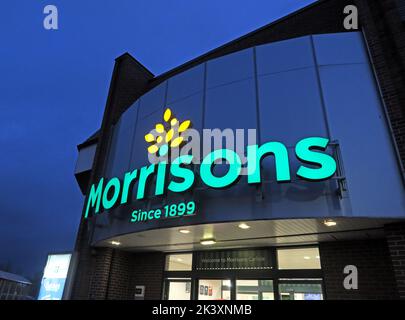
(275, 274)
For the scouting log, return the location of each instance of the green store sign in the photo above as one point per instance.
(105, 195)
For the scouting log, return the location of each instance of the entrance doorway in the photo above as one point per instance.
(292, 273)
(254, 290)
(300, 290)
(177, 289)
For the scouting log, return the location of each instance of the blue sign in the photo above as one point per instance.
(52, 289)
(54, 278)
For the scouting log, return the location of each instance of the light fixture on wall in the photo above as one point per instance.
(330, 223)
(115, 243)
(207, 242)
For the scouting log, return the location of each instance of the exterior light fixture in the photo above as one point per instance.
(244, 226)
(185, 231)
(207, 242)
(330, 223)
(115, 243)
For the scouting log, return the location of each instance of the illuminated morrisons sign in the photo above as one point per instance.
(178, 174)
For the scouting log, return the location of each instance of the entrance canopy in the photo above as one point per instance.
(250, 234)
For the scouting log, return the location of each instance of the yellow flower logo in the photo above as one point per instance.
(166, 135)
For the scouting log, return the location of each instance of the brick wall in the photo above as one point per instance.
(395, 234)
(101, 274)
(148, 271)
(115, 273)
(375, 273)
(385, 34)
(85, 265)
(131, 269)
(121, 273)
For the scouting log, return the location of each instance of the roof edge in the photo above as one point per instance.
(247, 35)
(128, 55)
(93, 139)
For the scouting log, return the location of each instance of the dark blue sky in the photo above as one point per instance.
(53, 87)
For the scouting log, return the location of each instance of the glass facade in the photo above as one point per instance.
(285, 96)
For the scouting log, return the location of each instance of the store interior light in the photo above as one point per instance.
(185, 231)
(307, 258)
(207, 242)
(115, 243)
(244, 226)
(330, 223)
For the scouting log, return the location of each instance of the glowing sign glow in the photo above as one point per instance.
(179, 175)
(168, 211)
(166, 136)
(54, 278)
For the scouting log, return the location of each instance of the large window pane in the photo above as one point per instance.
(232, 107)
(152, 101)
(121, 144)
(140, 146)
(340, 48)
(282, 56)
(185, 84)
(232, 67)
(179, 262)
(300, 291)
(302, 258)
(355, 110)
(290, 107)
(254, 290)
(189, 108)
(178, 289)
(214, 289)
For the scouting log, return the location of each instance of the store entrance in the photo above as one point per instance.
(178, 289)
(247, 274)
(254, 289)
(220, 289)
(244, 289)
